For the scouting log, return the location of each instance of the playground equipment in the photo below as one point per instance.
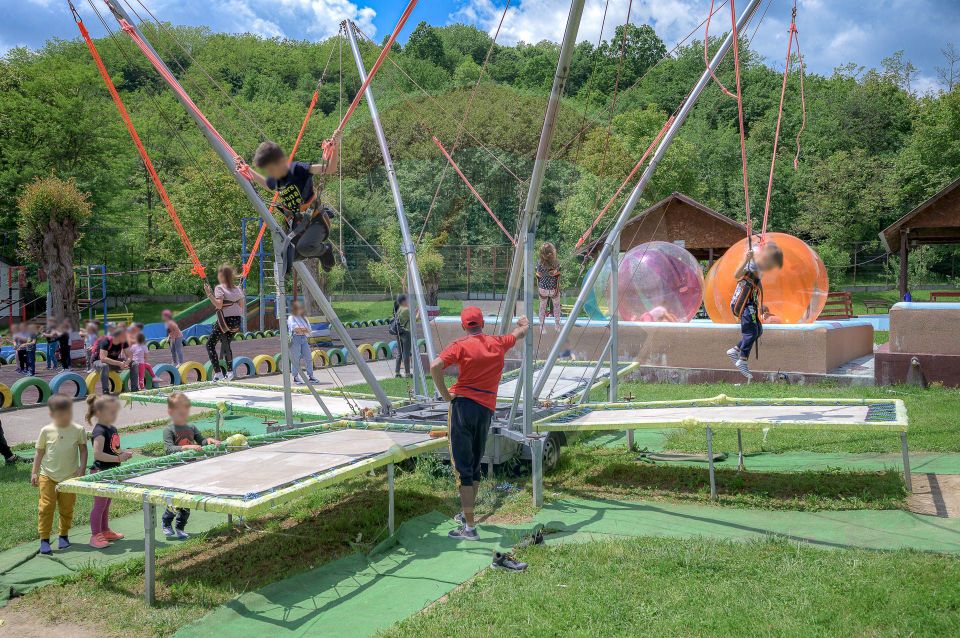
(659, 281)
(14, 280)
(795, 293)
(85, 279)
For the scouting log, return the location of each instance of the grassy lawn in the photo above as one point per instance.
(665, 587)
(933, 417)
(359, 310)
(890, 296)
(148, 311)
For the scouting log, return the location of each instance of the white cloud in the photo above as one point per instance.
(926, 85)
(848, 41)
(322, 18)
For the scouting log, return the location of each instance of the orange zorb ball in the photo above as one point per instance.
(795, 293)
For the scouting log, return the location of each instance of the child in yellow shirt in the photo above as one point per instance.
(61, 454)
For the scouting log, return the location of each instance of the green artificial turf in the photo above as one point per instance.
(701, 587)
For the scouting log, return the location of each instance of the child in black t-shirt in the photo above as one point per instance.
(292, 181)
(106, 455)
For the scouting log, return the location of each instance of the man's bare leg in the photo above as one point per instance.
(468, 501)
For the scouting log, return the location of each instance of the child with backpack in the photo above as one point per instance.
(748, 299)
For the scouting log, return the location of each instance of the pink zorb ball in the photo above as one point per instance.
(659, 281)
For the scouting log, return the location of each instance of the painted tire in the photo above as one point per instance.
(249, 335)
(165, 342)
(394, 346)
(6, 398)
(208, 368)
(167, 369)
(11, 358)
(22, 385)
(153, 345)
(191, 341)
(367, 351)
(41, 356)
(382, 349)
(258, 334)
(336, 356)
(194, 367)
(246, 362)
(421, 345)
(264, 360)
(240, 336)
(69, 377)
(204, 339)
(320, 359)
(277, 362)
(147, 380)
(93, 380)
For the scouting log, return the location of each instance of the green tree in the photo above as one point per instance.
(52, 214)
(391, 270)
(426, 44)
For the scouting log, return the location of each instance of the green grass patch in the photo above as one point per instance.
(881, 336)
(666, 587)
(360, 310)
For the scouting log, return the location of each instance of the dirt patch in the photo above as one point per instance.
(22, 624)
(935, 495)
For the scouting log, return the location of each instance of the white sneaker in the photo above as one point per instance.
(217, 376)
(734, 354)
(744, 370)
(231, 376)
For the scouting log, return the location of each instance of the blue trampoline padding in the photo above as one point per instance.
(65, 377)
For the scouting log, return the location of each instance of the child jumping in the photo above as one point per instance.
(174, 337)
(548, 283)
(178, 436)
(746, 300)
(309, 222)
(106, 455)
(61, 454)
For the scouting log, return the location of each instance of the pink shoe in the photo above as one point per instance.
(97, 541)
(111, 535)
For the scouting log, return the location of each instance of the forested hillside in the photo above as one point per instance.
(870, 151)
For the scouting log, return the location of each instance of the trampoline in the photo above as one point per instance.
(276, 468)
(566, 380)
(723, 412)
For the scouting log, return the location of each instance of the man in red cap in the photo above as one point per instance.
(473, 399)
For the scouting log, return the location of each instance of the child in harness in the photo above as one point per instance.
(748, 299)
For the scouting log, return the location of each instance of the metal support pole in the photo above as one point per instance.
(390, 510)
(406, 242)
(529, 394)
(281, 306)
(419, 377)
(227, 156)
(713, 478)
(316, 395)
(615, 323)
(740, 467)
(149, 552)
(907, 477)
(637, 192)
(536, 459)
(530, 216)
(230, 520)
(585, 396)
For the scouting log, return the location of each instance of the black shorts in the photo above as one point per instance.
(469, 426)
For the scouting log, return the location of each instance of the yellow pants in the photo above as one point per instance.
(50, 501)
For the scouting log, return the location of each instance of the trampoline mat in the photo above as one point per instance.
(563, 381)
(272, 400)
(841, 414)
(268, 467)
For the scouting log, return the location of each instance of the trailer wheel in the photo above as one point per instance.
(551, 452)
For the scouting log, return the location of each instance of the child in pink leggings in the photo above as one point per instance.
(106, 455)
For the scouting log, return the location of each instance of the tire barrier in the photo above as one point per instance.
(277, 363)
(153, 345)
(394, 346)
(22, 385)
(208, 368)
(382, 348)
(194, 367)
(240, 336)
(336, 356)
(247, 363)
(249, 335)
(258, 334)
(192, 341)
(421, 345)
(6, 398)
(204, 339)
(93, 382)
(166, 369)
(11, 358)
(41, 356)
(69, 377)
(320, 359)
(264, 360)
(367, 351)
(147, 379)
(165, 342)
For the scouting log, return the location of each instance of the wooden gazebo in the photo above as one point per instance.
(703, 231)
(935, 221)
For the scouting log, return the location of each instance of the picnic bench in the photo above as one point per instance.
(839, 306)
(945, 295)
(877, 304)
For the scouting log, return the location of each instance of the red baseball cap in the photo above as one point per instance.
(471, 317)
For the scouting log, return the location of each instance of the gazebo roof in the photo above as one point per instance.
(935, 221)
(679, 218)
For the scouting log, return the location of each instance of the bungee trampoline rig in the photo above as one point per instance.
(347, 434)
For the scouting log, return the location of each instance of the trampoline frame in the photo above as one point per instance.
(898, 423)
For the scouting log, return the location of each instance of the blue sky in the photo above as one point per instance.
(832, 32)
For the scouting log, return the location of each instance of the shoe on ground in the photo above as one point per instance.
(45, 548)
(63, 542)
(97, 541)
(111, 535)
(463, 534)
(312, 380)
(507, 562)
(231, 376)
(460, 519)
(734, 354)
(167, 531)
(217, 377)
(298, 381)
(398, 376)
(182, 535)
(13, 459)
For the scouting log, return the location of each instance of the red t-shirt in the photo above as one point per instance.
(480, 358)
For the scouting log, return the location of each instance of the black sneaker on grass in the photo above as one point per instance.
(507, 562)
(463, 534)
